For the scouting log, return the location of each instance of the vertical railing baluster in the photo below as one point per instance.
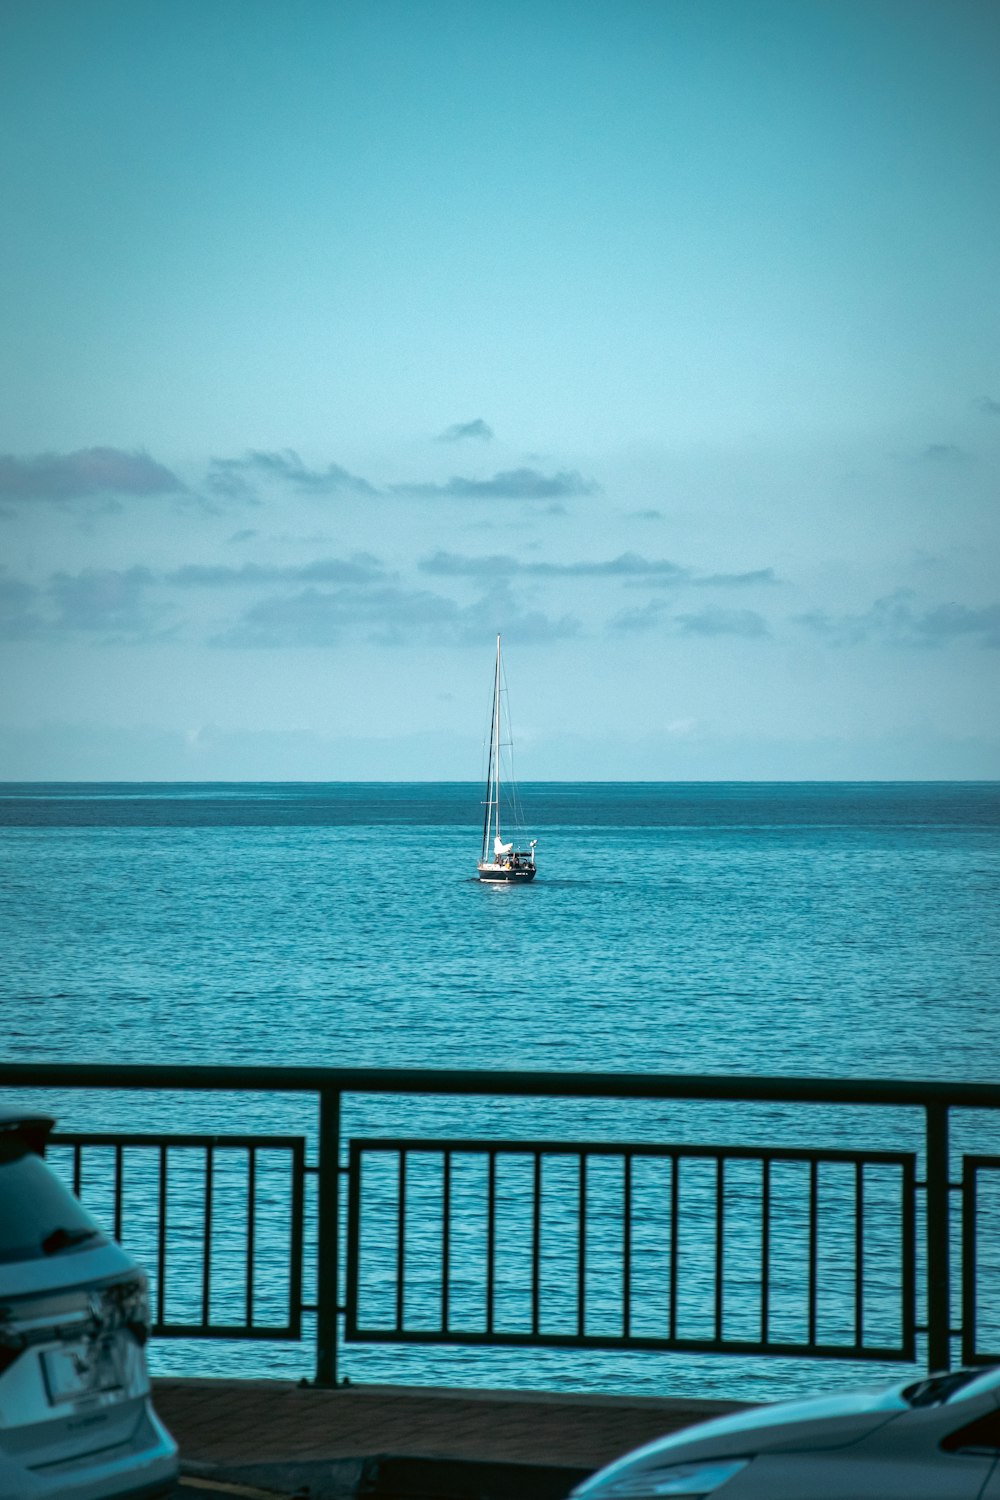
(119, 1191)
(938, 1239)
(720, 1204)
(161, 1244)
(970, 1194)
(859, 1254)
(491, 1236)
(446, 1245)
(328, 1238)
(401, 1245)
(581, 1258)
(627, 1246)
(206, 1262)
(813, 1245)
(675, 1205)
(536, 1242)
(78, 1170)
(908, 1298)
(251, 1229)
(296, 1238)
(765, 1249)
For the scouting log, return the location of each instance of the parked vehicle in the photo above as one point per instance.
(933, 1439)
(76, 1417)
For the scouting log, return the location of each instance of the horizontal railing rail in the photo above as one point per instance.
(872, 1232)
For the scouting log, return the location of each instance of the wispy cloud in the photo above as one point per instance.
(742, 622)
(626, 565)
(389, 616)
(938, 453)
(19, 618)
(636, 621)
(243, 478)
(988, 405)
(234, 478)
(112, 601)
(510, 484)
(362, 569)
(738, 580)
(475, 429)
(899, 620)
(87, 472)
(656, 615)
(636, 570)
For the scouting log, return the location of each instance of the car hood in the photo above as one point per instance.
(819, 1424)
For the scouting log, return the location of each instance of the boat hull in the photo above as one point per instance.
(505, 875)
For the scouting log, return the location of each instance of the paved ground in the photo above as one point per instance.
(275, 1435)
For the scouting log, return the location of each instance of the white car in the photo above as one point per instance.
(933, 1439)
(76, 1419)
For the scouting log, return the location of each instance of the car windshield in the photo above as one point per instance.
(39, 1216)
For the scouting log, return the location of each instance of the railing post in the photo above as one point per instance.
(938, 1239)
(328, 1238)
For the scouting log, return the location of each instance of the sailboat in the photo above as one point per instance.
(501, 861)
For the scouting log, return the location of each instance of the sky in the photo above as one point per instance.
(662, 338)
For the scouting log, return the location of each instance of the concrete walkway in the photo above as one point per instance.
(275, 1435)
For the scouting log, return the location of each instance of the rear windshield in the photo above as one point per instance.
(39, 1216)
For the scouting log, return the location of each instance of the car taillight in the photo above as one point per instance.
(11, 1345)
(126, 1305)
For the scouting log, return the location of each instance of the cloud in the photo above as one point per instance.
(18, 619)
(654, 615)
(97, 600)
(475, 429)
(388, 616)
(242, 478)
(106, 599)
(645, 515)
(744, 622)
(636, 570)
(946, 621)
(89, 471)
(988, 405)
(936, 453)
(739, 580)
(897, 620)
(634, 621)
(231, 478)
(362, 568)
(626, 565)
(510, 484)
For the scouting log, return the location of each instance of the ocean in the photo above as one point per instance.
(819, 930)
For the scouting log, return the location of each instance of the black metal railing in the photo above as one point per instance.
(150, 1164)
(751, 1249)
(597, 1235)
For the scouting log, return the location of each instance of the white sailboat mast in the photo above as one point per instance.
(496, 741)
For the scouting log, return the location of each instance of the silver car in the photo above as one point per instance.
(76, 1419)
(933, 1439)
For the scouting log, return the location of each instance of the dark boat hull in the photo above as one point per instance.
(508, 877)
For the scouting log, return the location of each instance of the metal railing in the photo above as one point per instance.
(759, 1249)
(743, 1251)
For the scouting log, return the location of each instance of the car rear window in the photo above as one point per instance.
(39, 1216)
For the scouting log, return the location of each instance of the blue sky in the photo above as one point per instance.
(663, 338)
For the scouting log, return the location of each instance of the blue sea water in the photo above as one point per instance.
(810, 929)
